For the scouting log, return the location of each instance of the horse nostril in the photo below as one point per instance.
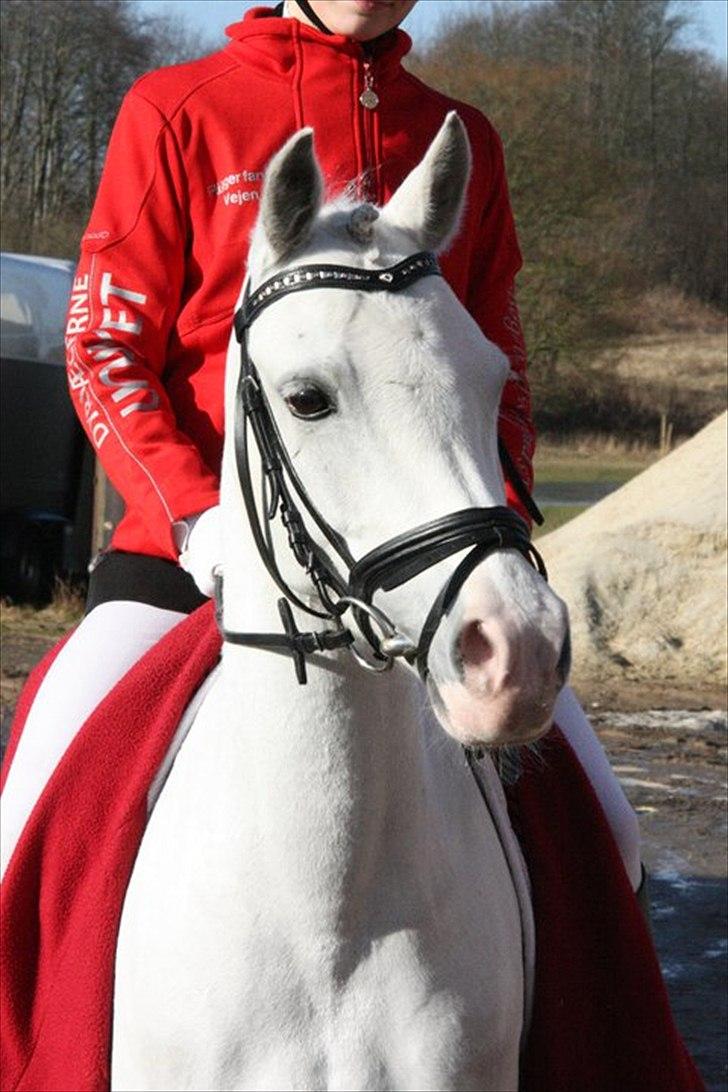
(474, 647)
(564, 665)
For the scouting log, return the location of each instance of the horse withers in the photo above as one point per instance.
(321, 899)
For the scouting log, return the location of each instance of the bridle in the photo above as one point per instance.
(347, 584)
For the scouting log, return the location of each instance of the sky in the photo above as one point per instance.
(210, 17)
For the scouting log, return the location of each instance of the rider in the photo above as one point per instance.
(149, 321)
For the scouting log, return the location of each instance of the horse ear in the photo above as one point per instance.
(429, 202)
(292, 195)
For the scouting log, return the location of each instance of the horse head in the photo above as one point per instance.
(387, 403)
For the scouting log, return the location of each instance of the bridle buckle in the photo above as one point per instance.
(250, 394)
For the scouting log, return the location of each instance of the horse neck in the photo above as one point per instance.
(339, 764)
(335, 774)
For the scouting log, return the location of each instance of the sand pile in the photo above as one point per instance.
(644, 573)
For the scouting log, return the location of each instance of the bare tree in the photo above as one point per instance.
(614, 126)
(60, 94)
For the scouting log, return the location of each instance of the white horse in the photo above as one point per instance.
(321, 899)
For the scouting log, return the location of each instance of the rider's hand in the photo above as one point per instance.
(201, 547)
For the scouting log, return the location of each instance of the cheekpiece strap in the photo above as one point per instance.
(300, 279)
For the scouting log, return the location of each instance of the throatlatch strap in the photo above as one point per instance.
(297, 644)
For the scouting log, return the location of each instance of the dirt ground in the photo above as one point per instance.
(669, 750)
(672, 764)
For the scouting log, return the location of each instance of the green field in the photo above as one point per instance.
(555, 515)
(559, 470)
(555, 465)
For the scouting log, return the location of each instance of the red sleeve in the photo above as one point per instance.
(492, 303)
(124, 302)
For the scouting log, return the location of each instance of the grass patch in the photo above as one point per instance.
(556, 515)
(26, 634)
(583, 463)
(65, 610)
(548, 473)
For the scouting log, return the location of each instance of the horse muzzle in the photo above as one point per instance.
(497, 668)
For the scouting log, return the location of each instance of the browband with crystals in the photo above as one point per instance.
(393, 279)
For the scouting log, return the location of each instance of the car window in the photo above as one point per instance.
(18, 336)
(33, 304)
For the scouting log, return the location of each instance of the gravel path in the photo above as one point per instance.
(672, 764)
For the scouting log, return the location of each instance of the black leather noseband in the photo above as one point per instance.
(479, 530)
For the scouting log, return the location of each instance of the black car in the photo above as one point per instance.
(46, 464)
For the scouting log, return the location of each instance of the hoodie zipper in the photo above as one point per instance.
(368, 103)
(368, 98)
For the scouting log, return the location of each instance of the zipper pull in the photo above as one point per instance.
(369, 98)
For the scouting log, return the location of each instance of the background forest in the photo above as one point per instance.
(615, 138)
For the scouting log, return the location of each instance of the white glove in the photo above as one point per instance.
(201, 549)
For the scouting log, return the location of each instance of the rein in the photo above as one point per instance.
(400, 559)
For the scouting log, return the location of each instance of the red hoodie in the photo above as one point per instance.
(164, 254)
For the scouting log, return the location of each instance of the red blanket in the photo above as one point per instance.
(601, 1018)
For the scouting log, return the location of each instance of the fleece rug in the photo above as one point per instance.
(601, 1018)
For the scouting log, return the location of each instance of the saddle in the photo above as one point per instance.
(601, 1018)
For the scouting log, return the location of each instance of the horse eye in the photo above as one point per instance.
(309, 402)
